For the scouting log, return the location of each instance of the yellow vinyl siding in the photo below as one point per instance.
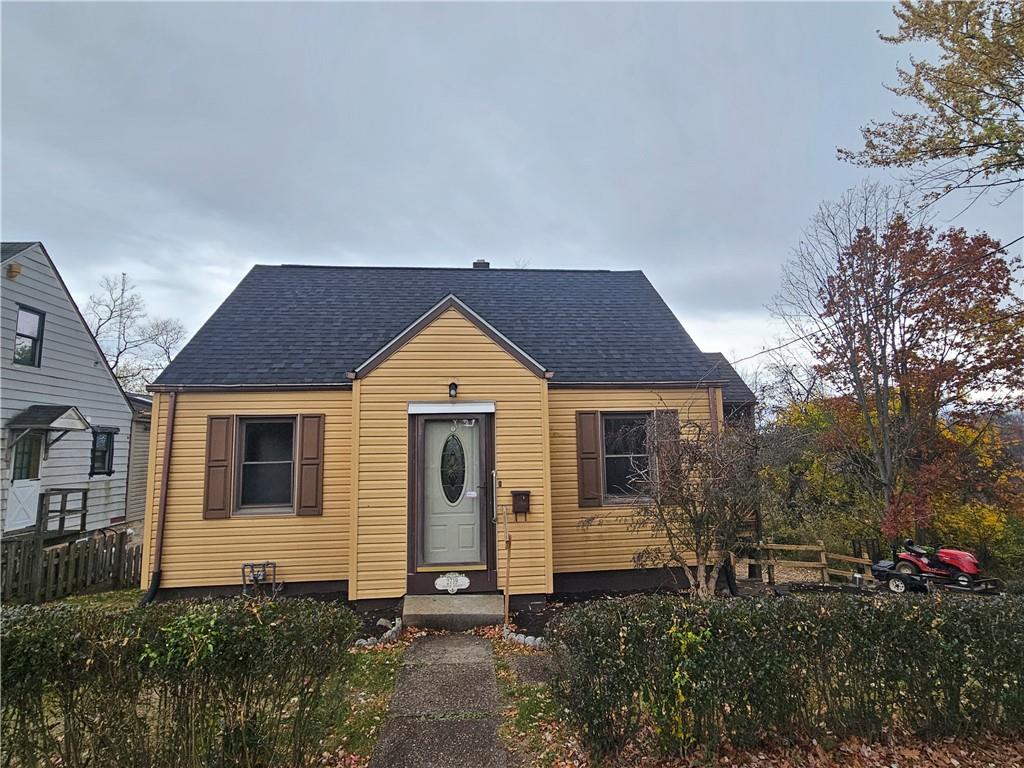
(607, 543)
(450, 349)
(200, 552)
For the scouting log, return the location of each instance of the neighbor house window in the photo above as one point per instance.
(266, 465)
(102, 461)
(28, 341)
(625, 453)
(27, 452)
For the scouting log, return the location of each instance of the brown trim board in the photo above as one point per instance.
(422, 582)
(653, 385)
(246, 387)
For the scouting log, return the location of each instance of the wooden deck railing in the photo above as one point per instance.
(63, 513)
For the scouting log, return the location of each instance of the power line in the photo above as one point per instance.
(902, 294)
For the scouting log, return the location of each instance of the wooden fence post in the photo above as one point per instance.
(770, 564)
(119, 546)
(36, 589)
(824, 562)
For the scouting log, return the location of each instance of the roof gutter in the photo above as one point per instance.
(161, 517)
(695, 384)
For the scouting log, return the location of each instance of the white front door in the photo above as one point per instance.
(452, 491)
(22, 504)
(23, 493)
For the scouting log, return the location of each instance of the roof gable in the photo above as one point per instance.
(56, 287)
(10, 250)
(66, 417)
(308, 326)
(448, 302)
(734, 388)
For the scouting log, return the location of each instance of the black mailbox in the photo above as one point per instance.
(520, 503)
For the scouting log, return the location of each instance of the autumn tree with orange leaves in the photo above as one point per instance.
(919, 329)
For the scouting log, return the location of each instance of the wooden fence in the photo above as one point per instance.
(32, 572)
(819, 560)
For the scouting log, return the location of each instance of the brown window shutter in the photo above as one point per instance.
(218, 494)
(588, 457)
(311, 465)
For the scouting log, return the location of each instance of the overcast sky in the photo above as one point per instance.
(183, 143)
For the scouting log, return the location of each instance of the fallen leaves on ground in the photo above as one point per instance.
(976, 752)
(341, 758)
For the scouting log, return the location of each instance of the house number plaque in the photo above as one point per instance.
(451, 582)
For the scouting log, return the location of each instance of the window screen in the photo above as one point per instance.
(267, 464)
(625, 455)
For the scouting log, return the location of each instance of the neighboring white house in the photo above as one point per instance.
(64, 420)
(138, 460)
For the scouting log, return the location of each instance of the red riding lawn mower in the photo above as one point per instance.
(953, 566)
(920, 568)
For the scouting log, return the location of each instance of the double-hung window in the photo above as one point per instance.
(28, 338)
(102, 457)
(624, 440)
(266, 466)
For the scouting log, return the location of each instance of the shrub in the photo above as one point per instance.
(751, 672)
(225, 683)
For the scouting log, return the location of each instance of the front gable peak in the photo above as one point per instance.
(449, 302)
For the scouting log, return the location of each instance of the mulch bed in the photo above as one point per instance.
(534, 620)
(371, 614)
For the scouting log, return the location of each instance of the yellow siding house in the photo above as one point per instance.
(379, 432)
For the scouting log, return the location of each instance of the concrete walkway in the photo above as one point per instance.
(445, 709)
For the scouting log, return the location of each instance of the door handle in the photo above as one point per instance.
(494, 496)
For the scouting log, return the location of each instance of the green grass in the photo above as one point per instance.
(365, 699)
(115, 599)
(532, 710)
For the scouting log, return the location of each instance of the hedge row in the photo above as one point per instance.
(218, 683)
(752, 672)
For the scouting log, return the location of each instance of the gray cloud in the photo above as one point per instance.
(185, 142)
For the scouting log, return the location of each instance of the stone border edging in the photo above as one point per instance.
(529, 641)
(393, 633)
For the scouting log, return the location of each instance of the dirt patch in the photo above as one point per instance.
(534, 620)
(371, 614)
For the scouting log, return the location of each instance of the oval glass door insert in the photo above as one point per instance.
(453, 469)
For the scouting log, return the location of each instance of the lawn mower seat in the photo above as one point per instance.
(911, 547)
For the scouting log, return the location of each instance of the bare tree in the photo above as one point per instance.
(136, 345)
(697, 494)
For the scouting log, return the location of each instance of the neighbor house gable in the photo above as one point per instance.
(69, 371)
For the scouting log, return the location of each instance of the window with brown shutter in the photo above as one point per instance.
(588, 457)
(218, 496)
(311, 465)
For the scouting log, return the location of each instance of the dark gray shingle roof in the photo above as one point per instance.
(309, 324)
(39, 416)
(140, 404)
(735, 389)
(10, 250)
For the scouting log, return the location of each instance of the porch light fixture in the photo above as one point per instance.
(453, 390)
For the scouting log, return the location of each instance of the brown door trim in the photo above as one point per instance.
(485, 580)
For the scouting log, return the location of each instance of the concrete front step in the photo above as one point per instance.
(453, 612)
